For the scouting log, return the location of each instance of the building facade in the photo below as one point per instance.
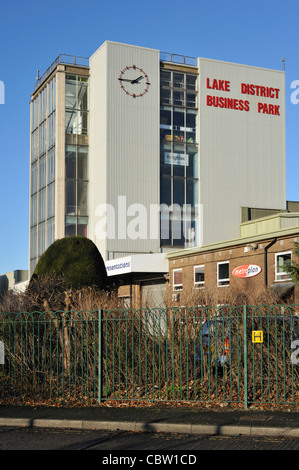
(14, 281)
(59, 156)
(250, 268)
(145, 152)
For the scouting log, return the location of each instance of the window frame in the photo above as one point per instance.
(177, 287)
(289, 278)
(199, 284)
(224, 280)
(179, 162)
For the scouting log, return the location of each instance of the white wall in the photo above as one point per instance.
(97, 142)
(242, 153)
(124, 143)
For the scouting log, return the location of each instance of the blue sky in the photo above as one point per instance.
(34, 33)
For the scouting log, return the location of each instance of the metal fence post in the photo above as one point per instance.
(245, 356)
(100, 358)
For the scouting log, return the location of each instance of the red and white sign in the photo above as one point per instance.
(247, 89)
(247, 270)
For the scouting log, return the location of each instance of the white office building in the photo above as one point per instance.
(146, 152)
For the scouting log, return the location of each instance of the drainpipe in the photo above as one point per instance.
(266, 260)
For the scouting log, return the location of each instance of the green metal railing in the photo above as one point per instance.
(198, 354)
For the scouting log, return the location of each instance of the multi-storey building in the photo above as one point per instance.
(59, 156)
(146, 152)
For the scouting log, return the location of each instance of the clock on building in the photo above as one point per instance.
(134, 81)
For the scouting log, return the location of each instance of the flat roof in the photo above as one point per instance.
(64, 59)
(234, 242)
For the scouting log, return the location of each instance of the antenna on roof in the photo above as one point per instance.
(37, 75)
(283, 63)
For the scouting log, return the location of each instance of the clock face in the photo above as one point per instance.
(134, 81)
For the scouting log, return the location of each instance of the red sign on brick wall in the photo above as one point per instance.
(247, 270)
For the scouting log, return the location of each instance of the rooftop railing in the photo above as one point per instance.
(84, 62)
(62, 59)
(178, 59)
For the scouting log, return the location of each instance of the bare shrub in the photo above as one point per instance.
(232, 296)
(46, 293)
(49, 293)
(191, 352)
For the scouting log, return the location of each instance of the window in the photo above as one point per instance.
(165, 78)
(76, 193)
(70, 197)
(191, 100)
(51, 201)
(42, 205)
(76, 105)
(177, 279)
(282, 260)
(199, 276)
(165, 96)
(43, 125)
(76, 226)
(165, 124)
(178, 158)
(223, 274)
(191, 82)
(76, 122)
(76, 156)
(178, 98)
(178, 80)
(191, 126)
(51, 231)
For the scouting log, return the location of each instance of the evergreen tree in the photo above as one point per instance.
(77, 260)
(293, 267)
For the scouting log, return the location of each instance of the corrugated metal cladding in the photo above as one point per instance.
(242, 150)
(241, 143)
(132, 141)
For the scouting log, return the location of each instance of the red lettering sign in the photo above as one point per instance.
(268, 109)
(258, 90)
(222, 85)
(228, 103)
(239, 104)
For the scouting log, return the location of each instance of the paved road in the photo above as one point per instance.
(153, 445)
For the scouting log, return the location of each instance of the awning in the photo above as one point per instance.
(145, 263)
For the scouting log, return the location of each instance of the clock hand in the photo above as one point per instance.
(137, 80)
(125, 80)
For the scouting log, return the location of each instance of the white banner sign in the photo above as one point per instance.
(176, 158)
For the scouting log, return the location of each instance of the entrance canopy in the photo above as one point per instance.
(145, 263)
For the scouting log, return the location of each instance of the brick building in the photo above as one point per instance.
(211, 271)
